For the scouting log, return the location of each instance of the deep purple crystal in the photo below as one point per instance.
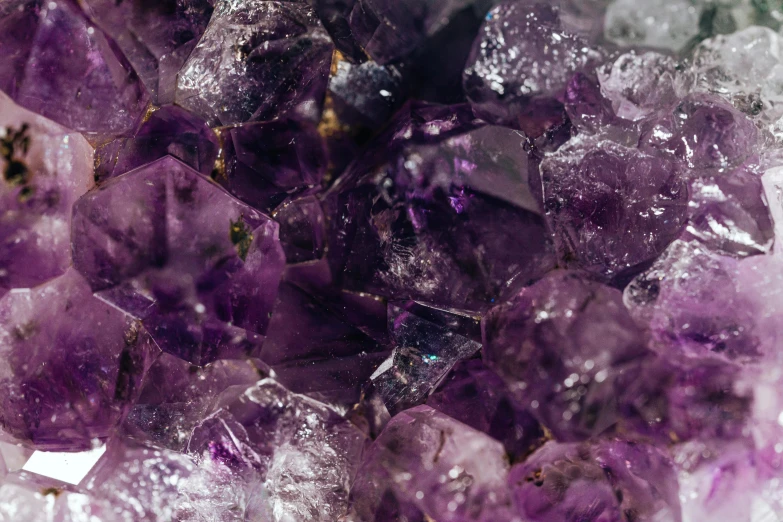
(66, 382)
(202, 297)
(64, 68)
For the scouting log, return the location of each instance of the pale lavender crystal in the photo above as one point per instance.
(315, 351)
(610, 481)
(170, 130)
(63, 67)
(65, 381)
(28, 498)
(432, 212)
(156, 37)
(701, 132)
(199, 268)
(303, 452)
(389, 31)
(639, 84)
(551, 344)
(428, 342)
(45, 169)
(266, 163)
(258, 60)
(612, 207)
(729, 213)
(475, 395)
(690, 301)
(176, 396)
(522, 56)
(427, 463)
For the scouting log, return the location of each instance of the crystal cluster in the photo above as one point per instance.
(391, 261)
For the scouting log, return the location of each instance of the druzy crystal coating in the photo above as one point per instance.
(391, 261)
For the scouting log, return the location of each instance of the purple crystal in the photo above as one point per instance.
(314, 351)
(265, 163)
(550, 344)
(258, 60)
(702, 132)
(604, 481)
(426, 462)
(66, 382)
(729, 213)
(612, 208)
(430, 212)
(156, 37)
(172, 131)
(302, 230)
(199, 268)
(522, 57)
(45, 169)
(176, 396)
(690, 302)
(428, 342)
(391, 30)
(303, 451)
(66, 69)
(475, 395)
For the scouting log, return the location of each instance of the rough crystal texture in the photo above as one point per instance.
(303, 452)
(302, 230)
(702, 132)
(522, 55)
(265, 163)
(389, 31)
(426, 463)
(156, 37)
(477, 396)
(690, 301)
(203, 296)
(744, 68)
(66, 69)
(176, 396)
(428, 342)
(611, 207)
(664, 24)
(550, 345)
(45, 169)
(171, 131)
(72, 365)
(639, 84)
(258, 60)
(609, 480)
(439, 210)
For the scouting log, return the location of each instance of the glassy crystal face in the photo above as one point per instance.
(65, 68)
(202, 297)
(45, 169)
(421, 214)
(64, 382)
(257, 61)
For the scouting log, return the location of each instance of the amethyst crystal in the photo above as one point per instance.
(612, 208)
(609, 480)
(426, 463)
(156, 37)
(304, 453)
(45, 169)
(265, 163)
(202, 297)
(431, 212)
(475, 395)
(63, 67)
(302, 230)
(66, 382)
(550, 345)
(258, 60)
(521, 59)
(171, 131)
